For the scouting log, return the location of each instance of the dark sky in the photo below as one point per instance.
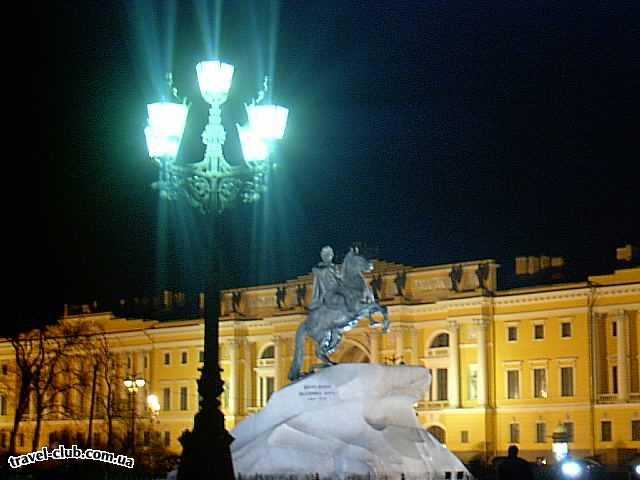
(433, 131)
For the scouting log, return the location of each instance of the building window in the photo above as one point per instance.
(3, 439)
(129, 362)
(146, 361)
(5, 369)
(605, 430)
(635, 430)
(464, 436)
(21, 440)
(473, 382)
(3, 405)
(614, 379)
(513, 384)
(514, 433)
(442, 392)
(146, 439)
(167, 439)
(570, 430)
(201, 356)
(96, 439)
(566, 377)
(512, 334)
(540, 383)
(538, 332)
(184, 357)
(565, 329)
(541, 432)
(166, 399)
(167, 358)
(183, 398)
(440, 341)
(614, 329)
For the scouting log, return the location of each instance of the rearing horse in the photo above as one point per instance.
(326, 324)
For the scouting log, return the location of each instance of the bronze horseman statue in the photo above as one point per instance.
(341, 298)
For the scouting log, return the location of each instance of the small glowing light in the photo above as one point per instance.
(140, 382)
(637, 469)
(268, 121)
(128, 383)
(153, 402)
(254, 148)
(165, 128)
(214, 78)
(571, 469)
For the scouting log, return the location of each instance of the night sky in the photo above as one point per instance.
(432, 131)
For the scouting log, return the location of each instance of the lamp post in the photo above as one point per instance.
(211, 186)
(132, 384)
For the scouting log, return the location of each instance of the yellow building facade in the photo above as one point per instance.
(507, 366)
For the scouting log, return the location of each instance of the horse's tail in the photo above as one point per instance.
(298, 357)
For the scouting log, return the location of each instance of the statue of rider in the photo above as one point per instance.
(327, 282)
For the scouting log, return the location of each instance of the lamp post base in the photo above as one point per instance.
(206, 452)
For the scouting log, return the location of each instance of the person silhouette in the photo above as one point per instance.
(514, 467)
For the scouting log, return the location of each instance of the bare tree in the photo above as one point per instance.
(52, 371)
(29, 356)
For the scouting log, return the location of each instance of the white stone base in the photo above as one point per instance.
(349, 419)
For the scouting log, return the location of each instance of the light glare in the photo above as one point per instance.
(214, 78)
(571, 469)
(166, 124)
(153, 402)
(268, 121)
(254, 148)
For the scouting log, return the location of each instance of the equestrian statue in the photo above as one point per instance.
(341, 298)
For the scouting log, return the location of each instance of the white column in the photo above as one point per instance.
(623, 375)
(232, 345)
(278, 350)
(400, 344)
(413, 337)
(454, 366)
(374, 346)
(248, 365)
(481, 326)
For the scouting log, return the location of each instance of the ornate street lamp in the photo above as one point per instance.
(133, 384)
(212, 185)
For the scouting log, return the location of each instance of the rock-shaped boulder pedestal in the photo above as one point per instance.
(348, 419)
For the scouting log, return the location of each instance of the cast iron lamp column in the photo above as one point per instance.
(132, 384)
(211, 186)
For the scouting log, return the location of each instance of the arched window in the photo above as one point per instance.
(268, 352)
(438, 433)
(441, 340)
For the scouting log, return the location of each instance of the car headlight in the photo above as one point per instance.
(637, 469)
(571, 469)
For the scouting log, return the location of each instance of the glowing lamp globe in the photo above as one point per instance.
(140, 382)
(153, 402)
(128, 383)
(214, 78)
(254, 148)
(165, 128)
(268, 121)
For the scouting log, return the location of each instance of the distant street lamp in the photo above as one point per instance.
(133, 384)
(153, 403)
(212, 185)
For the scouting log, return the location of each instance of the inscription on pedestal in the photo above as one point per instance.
(318, 392)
